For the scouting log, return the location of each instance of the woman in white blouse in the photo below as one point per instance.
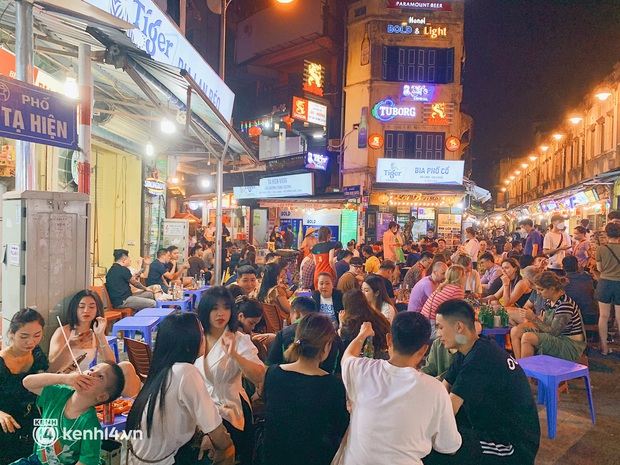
(229, 355)
(174, 403)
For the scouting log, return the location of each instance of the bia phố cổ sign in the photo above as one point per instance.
(406, 171)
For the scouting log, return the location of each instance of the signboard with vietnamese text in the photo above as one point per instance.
(158, 36)
(352, 192)
(309, 111)
(295, 185)
(41, 79)
(33, 114)
(415, 5)
(398, 170)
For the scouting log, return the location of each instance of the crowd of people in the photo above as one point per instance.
(387, 341)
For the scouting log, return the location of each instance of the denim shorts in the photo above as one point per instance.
(608, 292)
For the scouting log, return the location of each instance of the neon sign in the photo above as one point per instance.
(314, 75)
(439, 113)
(316, 161)
(418, 93)
(429, 6)
(426, 31)
(387, 110)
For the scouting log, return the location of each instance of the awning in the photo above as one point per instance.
(315, 202)
(404, 189)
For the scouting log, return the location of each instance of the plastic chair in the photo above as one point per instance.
(550, 372)
(139, 355)
(105, 298)
(111, 317)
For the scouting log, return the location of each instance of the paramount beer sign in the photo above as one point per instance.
(413, 5)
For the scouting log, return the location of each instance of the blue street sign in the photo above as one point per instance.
(352, 192)
(33, 114)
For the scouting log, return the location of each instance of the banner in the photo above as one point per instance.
(406, 171)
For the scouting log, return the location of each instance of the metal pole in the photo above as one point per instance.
(25, 164)
(218, 214)
(223, 40)
(85, 85)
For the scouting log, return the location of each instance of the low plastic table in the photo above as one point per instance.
(112, 341)
(117, 427)
(498, 333)
(132, 324)
(184, 304)
(160, 313)
(550, 372)
(195, 294)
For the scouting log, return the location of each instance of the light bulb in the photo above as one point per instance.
(150, 150)
(205, 183)
(71, 87)
(167, 126)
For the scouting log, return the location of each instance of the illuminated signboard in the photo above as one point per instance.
(307, 110)
(418, 92)
(386, 110)
(426, 31)
(155, 186)
(414, 5)
(316, 161)
(314, 77)
(375, 141)
(439, 113)
(453, 144)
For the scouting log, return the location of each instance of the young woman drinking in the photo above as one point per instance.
(229, 355)
(514, 290)
(291, 395)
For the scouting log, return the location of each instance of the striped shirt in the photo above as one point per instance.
(564, 306)
(449, 291)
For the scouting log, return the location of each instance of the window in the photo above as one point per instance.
(418, 64)
(602, 140)
(415, 145)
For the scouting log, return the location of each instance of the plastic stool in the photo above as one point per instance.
(113, 345)
(135, 323)
(550, 372)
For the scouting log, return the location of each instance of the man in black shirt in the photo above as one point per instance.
(158, 272)
(117, 283)
(386, 271)
(196, 263)
(300, 307)
(489, 387)
(174, 270)
(289, 237)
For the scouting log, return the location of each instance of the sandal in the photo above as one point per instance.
(609, 351)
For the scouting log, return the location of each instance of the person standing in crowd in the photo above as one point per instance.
(581, 247)
(289, 237)
(599, 237)
(392, 242)
(556, 243)
(471, 280)
(374, 289)
(342, 265)
(372, 262)
(386, 272)
(418, 271)
(85, 331)
(246, 279)
(500, 419)
(451, 288)
(608, 288)
(21, 356)
(309, 241)
(209, 255)
(290, 394)
(441, 249)
(560, 332)
(492, 271)
(514, 290)
(210, 232)
(306, 272)
(229, 355)
(323, 253)
(272, 289)
(356, 311)
(328, 300)
(470, 247)
(534, 240)
(411, 409)
(351, 279)
(580, 288)
(425, 287)
(301, 307)
(174, 402)
(118, 283)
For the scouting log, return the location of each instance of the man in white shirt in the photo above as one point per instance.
(556, 243)
(398, 415)
(471, 247)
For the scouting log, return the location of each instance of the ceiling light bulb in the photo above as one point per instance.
(524, 165)
(512, 177)
(558, 136)
(544, 148)
(205, 183)
(71, 87)
(150, 150)
(174, 180)
(167, 126)
(533, 157)
(575, 119)
(517, 172)
(602, 96)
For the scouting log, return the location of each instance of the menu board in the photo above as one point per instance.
(383, 221)
(348, 226)
(449, 227)
(592, 195)
(425, 213)
(581, 198)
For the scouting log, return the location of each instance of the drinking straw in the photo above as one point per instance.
(68, 346)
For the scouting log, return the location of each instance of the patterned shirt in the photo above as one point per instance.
(564, 306)
(306, 279)
(415, 273)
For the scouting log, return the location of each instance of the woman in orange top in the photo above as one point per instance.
(323, 253)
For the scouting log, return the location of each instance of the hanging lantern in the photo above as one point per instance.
(255, 131)
(289, 122)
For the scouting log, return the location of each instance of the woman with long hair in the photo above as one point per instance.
(497, 257)
(324, 257)
(374, 289)
(20, 357)
(451, 288)
(559, 331)
(229, 356)
(356, 311)
(290, 395)
(174, 402)
(272, 288)
(515, 291)
(85, 330)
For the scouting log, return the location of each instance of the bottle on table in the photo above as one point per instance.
(368, 350)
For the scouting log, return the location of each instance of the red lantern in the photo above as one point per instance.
(289, 122)
(255, 131)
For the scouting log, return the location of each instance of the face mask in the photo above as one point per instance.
(430, 234)
(561, 226)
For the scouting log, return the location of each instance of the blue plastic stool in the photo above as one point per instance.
(185, 304)
(132, 324)
(161, 313)
(550, 372)
(113, 344)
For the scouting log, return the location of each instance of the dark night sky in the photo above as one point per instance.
(530, 61)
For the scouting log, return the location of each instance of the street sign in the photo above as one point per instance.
(351, 192)
(33, 114)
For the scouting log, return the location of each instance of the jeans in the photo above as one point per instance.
(144, 300)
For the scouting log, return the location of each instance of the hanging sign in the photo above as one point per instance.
(352, 192)
(386, 110)
(155, 186)
(414, 5)
(33, 114)
(439, 113)
(453, 144)
(316, 161)
(418, 92)
(280, 186)
(432, 32)
(398, 170)
(375, 141)
(307, 110)
(314, 76)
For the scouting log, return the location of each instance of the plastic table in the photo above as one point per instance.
(498, 333)
(112, 341)
(117, 427)
(195, 294)
(135, 323)
(184, 304)
(160, 313)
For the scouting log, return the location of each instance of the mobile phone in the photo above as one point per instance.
(293, 288)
